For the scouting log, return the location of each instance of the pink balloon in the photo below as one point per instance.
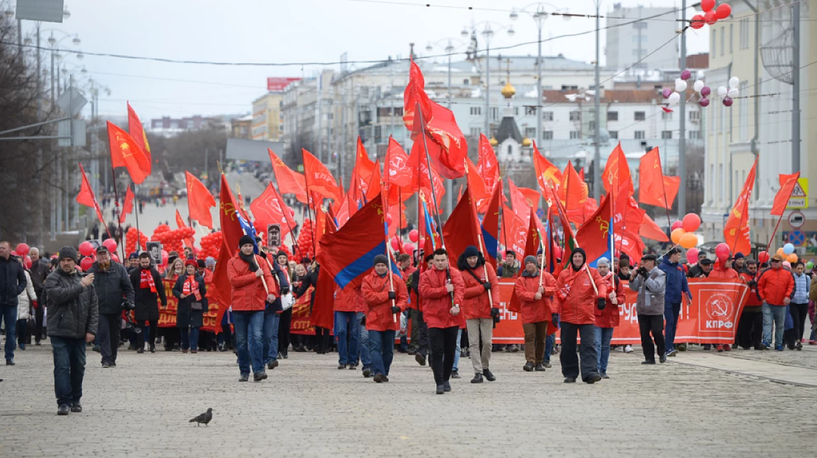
(422, 242)
(14, 252)
(704, 102)
(710, 17)
(666, 92)
(395, 243)
(85, 248)
(727, 101)
(408, 248)
(86, 263)
(414, 235)
(723, 11)
(164, 257)
(27, 262)
(686, 74)
(110, 244)
(722, 250)
(388, 218)
(705, 91)
(692, 255)
(115, 257)
(677, 225)
(22, 249)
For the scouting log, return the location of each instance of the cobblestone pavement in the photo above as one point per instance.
(309, 408)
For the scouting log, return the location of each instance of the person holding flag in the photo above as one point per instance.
(385, 295)
(607, 319)
(535, 288)
(480, 306)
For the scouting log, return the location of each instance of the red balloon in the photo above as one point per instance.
(115, 257)
(414, 235)
(557, 251)
(762, 257)
(110, 244)
(722, 251)
(395, 243)
(691, 222)
(86, 263)
(723, 11)
(697, 21)
(707, 5)
(692, 255)
(408, 248)
(677, 225)
(22, 249)
(422, 242)
(710, 17)
(54, 256)
(85, 248)
(27, 262)
(164, 257)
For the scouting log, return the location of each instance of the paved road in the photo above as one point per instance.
(309, 408)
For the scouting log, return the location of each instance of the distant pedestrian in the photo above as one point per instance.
(191, 291)
(40, 268)
(607, 320)
(650, 283)
(480, 306)
(12, 284)
(775, 286)
(115, 293)
(677, 286)
(148, 291)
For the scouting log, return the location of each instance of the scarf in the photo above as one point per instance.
(249, 260)
(191, 286)
(574, 274)
(146, 280)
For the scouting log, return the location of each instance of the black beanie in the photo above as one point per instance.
(470, 251)
(380, 259)
(245, 239)
(68, 252)
(578, 250)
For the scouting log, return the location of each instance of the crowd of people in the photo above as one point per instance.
(452, 311)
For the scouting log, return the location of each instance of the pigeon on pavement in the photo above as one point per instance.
(203, 418)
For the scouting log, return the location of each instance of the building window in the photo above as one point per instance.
(592, 126)
(575, 115)
(530, 132)
(476, 111)
(566, 87)
(694, 134)
(613, 134)
(530, 111)
(666, 116)
(744, 33)
(516, 111)
(547, 135)
(574, 134)
(494, 113)
(510, 150)
(639, 135)
(547, 116)
(666, 134)
(714, 41)
(710, 188)
(694, 115)
(465, 82)
(731, 38)
(722, 192)
(475, 131)
(723, 39)
(743, 114)
(640, 116)
(612, 115)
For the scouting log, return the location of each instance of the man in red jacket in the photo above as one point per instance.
(479, 310)
(750, 326)
(247, 273)
(775, 287)
(534, 290)
(581, 290)
(441, 292)
(607, 319)
(383, 303)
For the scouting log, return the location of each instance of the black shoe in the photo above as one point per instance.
(488, 375)
(76, 407)
(63, 410)
(477, 378)
(570, 379)
(662, 359)
(539, 368)
(259, 376)
(446, 387)
(244, 377)
(105, 365)
(140, 350)
(604, 375)
(593, 379)
(341, 366)
(352, 367)
(649, 361)
(799, 346)
(528, 367)
(455, 374)
(412, 351)
(270, 366)
(153, 348)
(420, 359)
(440, 389)
(385, 378)
(285, 355)
(36, 344)
(10, 362)
(547, 364)
(378, 378)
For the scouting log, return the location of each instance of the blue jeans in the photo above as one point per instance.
(248, 327)
(69, 368)
(457, 352)
(9, 315)
(776, 314)
(382, 346)
(365, 352)
(347, 326)
(603, 338)
(550, 342)
(671, 312)
(271, 322)
(189, 338)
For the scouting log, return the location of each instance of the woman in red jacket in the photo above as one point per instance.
(607, 319)
(581, 290)
(479, 278)
(535, 307)
(441, 292)
(382, 305)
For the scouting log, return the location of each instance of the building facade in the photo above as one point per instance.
(267, 121)
(628, 44)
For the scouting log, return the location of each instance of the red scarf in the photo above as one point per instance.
(565, 291)
(146, 280)
(191, 286)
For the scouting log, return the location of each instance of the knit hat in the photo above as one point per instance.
(210, 261)
(739, 255)
(470, 251)
(531, 259)
(68, 252)
(381, 259)
(603, 262)
(583, 253)
(201, 263)
(244, 240)
(281, 253)
(191, 262)
(133, 255)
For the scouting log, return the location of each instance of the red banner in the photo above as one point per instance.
(167, 316)
(712, 316)
(300, 315)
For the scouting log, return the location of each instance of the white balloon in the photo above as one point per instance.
(674, 98)
(722, 91)
(734, 82)
(733, 93)
(680, 85)
(698, 86)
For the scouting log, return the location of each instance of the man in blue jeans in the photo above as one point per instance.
(363, 348)
(272, 314)
(676, 286)
(74, 312)
(12, 283)
(347, 332)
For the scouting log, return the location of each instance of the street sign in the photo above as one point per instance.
(799, 195)
(71, 101)
(797, 237)
(73, 132)
(797, 219)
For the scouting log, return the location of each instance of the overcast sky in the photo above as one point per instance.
(284, 31)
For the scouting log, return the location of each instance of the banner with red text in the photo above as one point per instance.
(167, 316)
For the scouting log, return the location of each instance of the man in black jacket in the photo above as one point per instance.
(12, 283)
(322, 336)
(40, 268)
(148, 289)
(113, 288)
(74, 316)
(272, 314)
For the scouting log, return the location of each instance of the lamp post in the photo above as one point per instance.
(53, 44)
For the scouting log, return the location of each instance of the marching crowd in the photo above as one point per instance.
(75, 309)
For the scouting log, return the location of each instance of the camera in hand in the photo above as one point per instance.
(127, 305)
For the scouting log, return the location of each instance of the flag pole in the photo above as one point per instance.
(576, 242)
(389, 251)
(309, 208)
(136, 212)
(116, 205)
(431, 177)
(286, 218)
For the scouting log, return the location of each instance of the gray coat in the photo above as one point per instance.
(650, 292)
(73, 310)
(112, 287)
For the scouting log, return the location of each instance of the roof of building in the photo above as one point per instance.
(508, 129)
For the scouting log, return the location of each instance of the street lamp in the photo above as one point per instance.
(53, 42)
(488, 34)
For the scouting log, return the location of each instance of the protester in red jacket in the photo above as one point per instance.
(534, 289)
(347, 326)
(248, 274)
(386, 297)
(479, 309)
(607, 319)
(581, 290)
(441, 292)
(750, 326)
(775, 287)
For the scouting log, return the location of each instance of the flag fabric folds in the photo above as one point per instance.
(546, 172)
(199, 201)
(231, 226)
(127, 207)
(137, 132)
(289, 182)
(125, 152)
(270, 208)
(487, 165)
(781, 199)
(462, 228)
(490, 227)
(736, 230)
(318, 179)
(616, 176)
(653, 187)
(86, 197)
(596, 234)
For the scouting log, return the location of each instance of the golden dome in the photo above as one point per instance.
(493, 141)
(508, 91)
(526, 142)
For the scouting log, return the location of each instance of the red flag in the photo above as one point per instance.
(462, 228)
(362, 173)
(179, 220)
(546, 172)
(397, 173)
(289, 182)
(137, 132)
(220, 291)
(86, 197)
(487, 165)
(127, 207)
(736, 230)
(479, 191)
(490, 226)
(653, 187)
(594, 234)
(781, 199)
(375, 181)
(520, 203)
(419, 164)
(270, 208)
(651, 230)
(443, 129)
(575, 190)
(318, 178)
(415, 95)
(199, 201)
(532, 245)
(125, 152)
(630, 244)
(616, 176)
(230, 227)
(514, 231)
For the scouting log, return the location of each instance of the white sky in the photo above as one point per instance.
(284, 31)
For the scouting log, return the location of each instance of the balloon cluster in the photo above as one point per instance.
(674, 97)
(710, 14)
(305, 247)
(210, 245)
(22, 251)
(172, 239)
(402, 247)
(788, 254)
(130, 240)
(683, 232)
